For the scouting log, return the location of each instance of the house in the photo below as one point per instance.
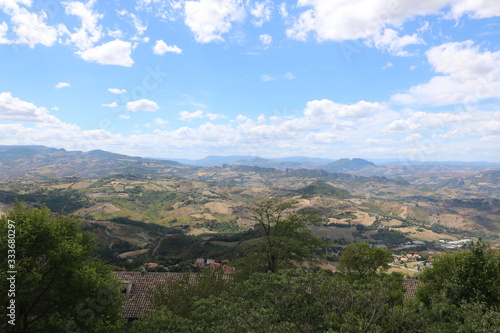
(215, 265)
(200, 262)
(137, 284)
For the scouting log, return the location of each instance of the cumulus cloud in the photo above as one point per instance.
(261, 12)
(390, 41)
(31, 28)
(469, 75)
(266, 39)
(339, 20)
(161, 48)
(328, 111)
(160, 122)
(89, 32)
(186, 115)
(210, 19)
(116, 91)
(289, 76)
(142, 105)
(4, 27)
(423, 121)
(381, 142)
(62, 85)
(325, 138)
(414, 137)
(315, 132)
(475, 9)
(477, 128)
(17, 110)
(116, 52)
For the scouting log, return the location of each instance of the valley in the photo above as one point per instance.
(203, 207)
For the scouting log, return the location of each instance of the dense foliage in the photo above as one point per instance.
(60, 286)
(460, 294)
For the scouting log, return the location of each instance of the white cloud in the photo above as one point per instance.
(188, 116)
(30, 28)
(62, 85)
(261, 11)
(116, 91)
(3, 33)
(160, 122)
(142, 105)
(117, 34)
(387, 65)
(111, 105)
(89, 32)
(313, 133)
(325, 138)
(390, 41)
(382, 142)
(477, 128)
(210, 19)
(169, 10)
(54, 108)
(17, 110)
(327, 111)
(340, 20)
(423, 121)
(283, 10)
(475, 9)
(470, 75)
(289, 76)
(267, 78)
(139, 26)
(161, 48)
(414, 137)
(266, 39)
(116, 52)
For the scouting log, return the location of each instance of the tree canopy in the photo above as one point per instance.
(471, 276)
(61, 287)
(284, 239)
(360, 259)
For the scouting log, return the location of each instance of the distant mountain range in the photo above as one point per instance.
(45, 162)
(283, 163)
(33, 161)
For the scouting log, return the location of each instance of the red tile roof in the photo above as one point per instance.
(137, 301)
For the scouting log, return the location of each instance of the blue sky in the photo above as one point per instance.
(416, 80)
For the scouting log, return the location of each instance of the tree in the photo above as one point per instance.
(360, 260)
(284, 236)
(290, 300)
(470, 276)
(59, 285)
(179, 296)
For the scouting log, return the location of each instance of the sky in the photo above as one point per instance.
(401, 79)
